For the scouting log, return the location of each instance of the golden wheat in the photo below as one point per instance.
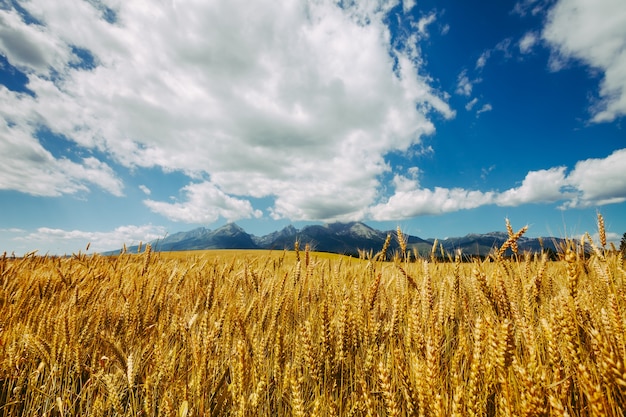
(291, 333)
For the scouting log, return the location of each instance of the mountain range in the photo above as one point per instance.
(343, 238)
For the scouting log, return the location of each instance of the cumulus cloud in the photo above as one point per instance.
(298, 101)
(205, 203)
(538, 186)
(599, 181)
(29, 47)
(595, 33)
(409, 200)
(28, 167)
(256, 96)
(592, 182)
(99, 241)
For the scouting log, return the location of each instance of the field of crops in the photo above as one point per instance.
(301, 333)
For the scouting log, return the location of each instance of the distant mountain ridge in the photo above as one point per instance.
(344, 238)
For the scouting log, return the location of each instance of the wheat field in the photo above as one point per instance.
(301, 333)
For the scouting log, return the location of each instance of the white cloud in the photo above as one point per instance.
(408, 5)
(59, 240)
(409, 201)
(299, 101)
(482, 59)
(464, 85)
(503, 46)
(485, 108)
(592, 182)
(12, 230)
(538, 186)
(404, 184)
(527, 42)
(29, 47)
(29, 168)
(423, 23)
(414, 173)
(145, 189)
(595, 33)
(257, 96)
(205, 203)
(93, 171)
(470, 104)
(484, 172)
(533, 7)
(599, 181)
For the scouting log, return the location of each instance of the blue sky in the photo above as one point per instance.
(125, 121)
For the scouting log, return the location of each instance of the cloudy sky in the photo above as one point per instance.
(122, 121)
